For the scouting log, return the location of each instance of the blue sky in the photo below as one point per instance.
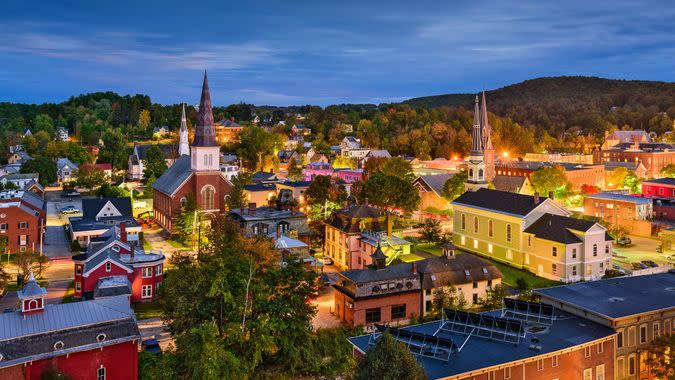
(322, 52)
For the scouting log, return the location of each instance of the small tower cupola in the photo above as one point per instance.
(448, 250)
(379, 258)
(32, 297)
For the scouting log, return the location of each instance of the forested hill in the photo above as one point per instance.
(557, 103)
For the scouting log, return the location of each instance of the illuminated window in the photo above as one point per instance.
(463, 239)
(508, 233)
(463, 222)
(489, 247)
(208, 196)
(475, 244)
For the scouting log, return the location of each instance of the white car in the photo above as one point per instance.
(70, 210)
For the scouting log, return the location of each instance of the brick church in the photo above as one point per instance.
(196, 171)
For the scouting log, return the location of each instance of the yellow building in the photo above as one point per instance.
(532, 233)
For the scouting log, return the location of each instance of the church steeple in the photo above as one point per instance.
(476, 138)
(476, 162)
(488, 148)
(205, 134)
(184, 145)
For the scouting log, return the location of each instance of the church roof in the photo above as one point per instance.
(477, 139)
(205, 134)
(174, 176)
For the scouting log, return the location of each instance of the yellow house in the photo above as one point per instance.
(532, 233)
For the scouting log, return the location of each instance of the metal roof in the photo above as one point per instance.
(174, 176)
(620, 197)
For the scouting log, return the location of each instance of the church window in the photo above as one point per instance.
(480, 173)
(470, 173)
(208, 196)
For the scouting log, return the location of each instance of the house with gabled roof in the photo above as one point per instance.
(95, 339)
(532, 233)
(19, 158)
(99, 215)
(430, 189)
(65, 170)
(114, 254)
(136, 167)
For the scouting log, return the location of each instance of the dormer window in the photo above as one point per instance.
(108, 267)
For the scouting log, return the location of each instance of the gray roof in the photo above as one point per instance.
(91, 207)
(112, 286)
(266, 213)
(441, 271)
(18, 176)
(80, 224)
(31, 289)
(435, 182)
(174, 176)
(662, 181)
(31, 337)
(378, 153)
(557, 228)
(618, 297)
(169, 150)
(611, 165)
(63, 162)
(620, 197)
(511, 184)
(566, 332)
(499, 201)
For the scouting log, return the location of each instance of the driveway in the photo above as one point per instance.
(324, 319)
(56, 244)
(155, 328)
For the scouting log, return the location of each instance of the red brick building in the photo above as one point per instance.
(654, 156)
(197, 173)
(22, 218)
(112, 261)
(95, 339)
(577, 174)
(661, 188)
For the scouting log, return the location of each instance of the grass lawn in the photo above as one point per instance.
(147, 310)
(146, 245)
(68, 297)
(510, 273)
(176, 244)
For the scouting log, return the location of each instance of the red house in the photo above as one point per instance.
(111, 258)
(196, 173)
(22, 216)
(95, 339)
(662, 188)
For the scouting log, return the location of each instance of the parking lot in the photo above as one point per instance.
(641, 248)
(56, 242)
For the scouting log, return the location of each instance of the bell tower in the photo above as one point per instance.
(476, 164)
(184, 145)
(205, 151)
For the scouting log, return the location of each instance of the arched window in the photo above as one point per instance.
(463, 221)
(475, 224)
(480, 173)
(470, 173)
(32, 304)
(595, 249)
(208, 196)
(183, 201)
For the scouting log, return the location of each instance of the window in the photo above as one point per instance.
(507, 373)
(655, 330)
(489, 247)
(509, 254)
(620, 367)
(480, 174)
(554, 251)
(78, 286)
(588, 374)
(489, 228)
(475, 285)
(574, 253)
(463, 240)
(619, 339)
(475, 224)
(600, 372)
(146, 291)
(554, 361)
(643, 334)
(398, 311)
(23, 225)
(475, 244)
(158, 270)
(529, 241)
(23, 239)
(373, 315)
(631, 364)
(183, 201)
(540, 365)
(208, 196)
(108, 266)
(666, 327)
(146, 272)
(3, 226)
(78, 269)
(463, 222)
(595, 249)
(607, 249)
(574, 270)
(601, 348)
(587, 351)
(100, 373)
(508, 233)
(475, 298)
(489, 283)
(554, 268)
(631, 336)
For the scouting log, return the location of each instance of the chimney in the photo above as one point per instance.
(365, 201)
(132, 248)
(123, 232)
(390, 225)
(536, 197)
(278, 231)
(251, 208)
(550, 195)
(414, 267)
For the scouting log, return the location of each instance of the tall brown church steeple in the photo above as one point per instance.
(205, 133)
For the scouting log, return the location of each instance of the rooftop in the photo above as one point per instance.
(558, 228)
(662, 181)
(499, 201)
(567, 331)
(265, 213)
(620, 197)
(174, 176)
(618, 297)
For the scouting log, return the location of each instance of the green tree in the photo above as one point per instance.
(184, 220)
(448, 298)
(547, 180)
(617, 177)
(389, 360)
(324, 189)
(114, 148)
(341, 162)
(144, 121)
(154, 164)
(237, 197)
(493, 297)
(398, 167)
(390, 192)
(294, 171)
(148, 190)
(631, 182)
(668, 171)
(454, 187)
(256, 147)
(43, 122)
(108, 191)
(5, 277)
(31, 262)
(431, 230)
(90, 177)
(45, 166)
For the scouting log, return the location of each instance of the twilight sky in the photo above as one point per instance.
(322, 52)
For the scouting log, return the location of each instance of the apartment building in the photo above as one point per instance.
(627, 211)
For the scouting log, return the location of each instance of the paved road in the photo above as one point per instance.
(154, 328)
(56, 242)
(324, 319)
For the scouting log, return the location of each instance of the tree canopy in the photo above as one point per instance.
(454, 187)
(154, 163)
(549, 180)
(389, 360)
(390, 192)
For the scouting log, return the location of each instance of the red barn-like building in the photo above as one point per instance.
(22, 216)
(660, 188)
(197, 173)
(113, 256)
(95, 339)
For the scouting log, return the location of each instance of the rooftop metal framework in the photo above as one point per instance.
(532, 312)
(484, 326)
(419, 344)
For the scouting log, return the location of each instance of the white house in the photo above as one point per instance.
(65, 170)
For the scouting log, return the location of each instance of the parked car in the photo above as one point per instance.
(625, 240)
(70, 210)
(638, 266)
(659, 249)
(327, 260)
(650, 263)
(618, 268)
(325, 279)
(152, 346)
(72, 194)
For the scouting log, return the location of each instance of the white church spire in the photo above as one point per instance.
(184, 146)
